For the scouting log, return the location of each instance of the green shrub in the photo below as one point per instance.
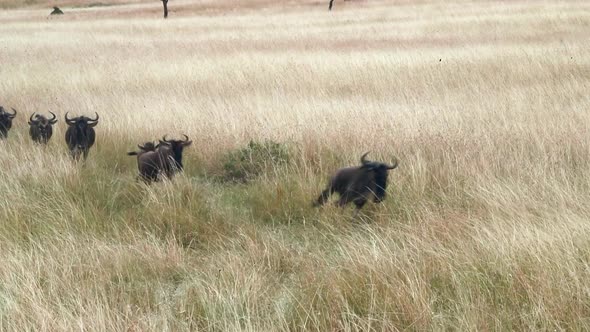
(247, 163)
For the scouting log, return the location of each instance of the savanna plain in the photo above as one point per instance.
(486, 225)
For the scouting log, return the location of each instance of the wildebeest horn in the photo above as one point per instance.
(395, 163)
(186, 142)
(14, 114)
(69, 121)
(31, 118)
(164, 139)
(364, 161)
(94, 120)
(54, 119)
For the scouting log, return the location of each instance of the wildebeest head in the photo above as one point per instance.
(173, 150)
(41, 128)
(6, 121)
(80, 135)
(380, 174)
(358, 184)
(82, 122)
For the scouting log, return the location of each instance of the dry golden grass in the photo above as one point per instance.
(486, 226)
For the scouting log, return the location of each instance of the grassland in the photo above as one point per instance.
(486, 226)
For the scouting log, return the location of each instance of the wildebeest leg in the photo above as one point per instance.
(323, 197)
(345, 198)
(360, 202)
(85, 154)
(356, 214)
(144, 179)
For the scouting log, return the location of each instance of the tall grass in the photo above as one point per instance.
(486, 222)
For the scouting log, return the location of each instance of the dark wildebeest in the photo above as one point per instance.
(358, 184)
(164, 159)
(56, 11)
(41, 127)
(5, 121)
(80, 135)
(148, 167)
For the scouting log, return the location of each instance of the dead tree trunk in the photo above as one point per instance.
(165, 3)
(331, 3)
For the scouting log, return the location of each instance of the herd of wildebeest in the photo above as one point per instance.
(356, 184)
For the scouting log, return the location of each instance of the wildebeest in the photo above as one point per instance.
(56, 11)
(80, 135)
(41, 128)
(6, 121)
(149, 167)
(163, 159)
(358, 184)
